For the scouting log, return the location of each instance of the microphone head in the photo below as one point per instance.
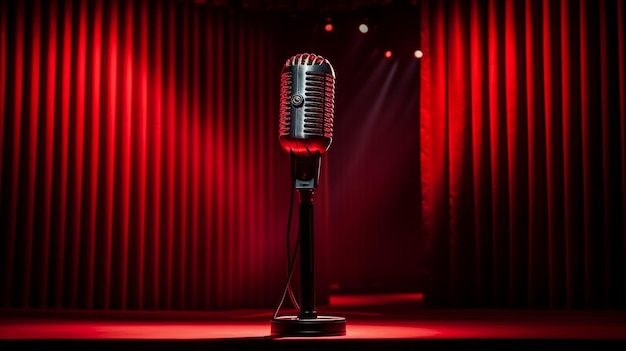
(307, 104)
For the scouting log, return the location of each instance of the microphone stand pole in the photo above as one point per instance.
(305, 174)
(307, 276)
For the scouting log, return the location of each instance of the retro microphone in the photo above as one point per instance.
(307, 105)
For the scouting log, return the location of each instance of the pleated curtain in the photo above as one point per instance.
(523, 153)
(141, 167)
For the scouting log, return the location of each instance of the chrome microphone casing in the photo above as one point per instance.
(307, 105)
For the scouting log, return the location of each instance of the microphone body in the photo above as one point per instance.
(307, 105)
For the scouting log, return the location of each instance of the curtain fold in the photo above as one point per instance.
(522, 155)
(138, 152)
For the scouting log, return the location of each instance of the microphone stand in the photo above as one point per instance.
(305, 174)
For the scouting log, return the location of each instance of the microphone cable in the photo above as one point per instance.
(290, 261)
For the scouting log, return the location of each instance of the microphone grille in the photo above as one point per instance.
(306, 59)
(319, 110)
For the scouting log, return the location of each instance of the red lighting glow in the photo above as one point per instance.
(328, 27)
(388, 53)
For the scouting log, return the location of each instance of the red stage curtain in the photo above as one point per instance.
(523, 153)
(141, 167)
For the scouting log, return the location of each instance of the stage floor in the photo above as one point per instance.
(374, 322)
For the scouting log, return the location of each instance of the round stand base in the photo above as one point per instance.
(320, 326)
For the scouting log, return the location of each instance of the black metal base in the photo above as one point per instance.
(320, 326)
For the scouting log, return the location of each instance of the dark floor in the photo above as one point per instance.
(374, 322)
